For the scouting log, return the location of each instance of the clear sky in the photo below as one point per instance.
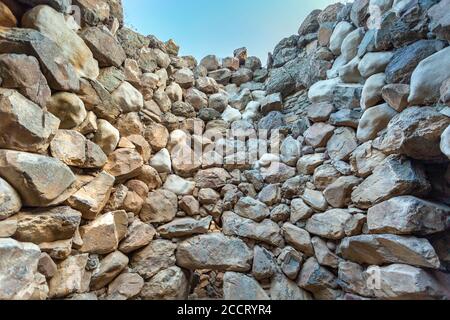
(203, 27)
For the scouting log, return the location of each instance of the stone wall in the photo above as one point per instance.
(104, 195)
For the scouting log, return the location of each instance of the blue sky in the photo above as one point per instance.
(203, 27)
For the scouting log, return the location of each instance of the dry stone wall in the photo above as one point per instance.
(130, 172)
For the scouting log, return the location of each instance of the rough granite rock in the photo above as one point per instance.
(125, 286)
(264, 264)
(416, 132)
(185, 227)
(282, 288)
(106, 50)
(242, 287)
(406, 59)
(92, 197)
(46, 225)
(214, 251)
(25, 126)
(69, 277)
(157, 256)
(168, 284)
(53, 25)
(373, 121)
(329, 225)
(60, 74)
(386, 248)
(408, 215)
(10, 202)
(266, 231)
(18, 268)
(46, 182)
(72, 148)
(159, 207)
(252, 209)
(428, 77)
(100, 236)
(298, 238)
(395, 176)
(110, 267)
(22, 72)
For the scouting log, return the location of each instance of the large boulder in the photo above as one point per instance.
(351, 43)
(125, 286)
(53, 25)
(393, 282)
(428, 77)
(214, 251)
(100, 236)
(70, 277)
(60, 74)
(72, 148)
(10, 202)
(18, 269)
(298, 238)
(110, 267)
(128, 98)
(280, 81)
(338, 194)
(282, 288)
(341, 31)
(404, 282)
(169, 284)
(318, 134)
(22, 72)
(310, 24)
(25, 126)
(184, 227)
(161, 206)
(416, 132)
(342, 144)
(395, 176)
(365, 159)
(373, 121)
(105, 48)
(124, 163)
(439, 17)
(212, 178)
(360, 12)
(238, 286)
(157, 256)
(316, 278)
(92, 197)
(47, 225)
(46, 181)
(266, 231)
(107, 136)
(371, 94)
(373, 63)
(408, 215)
(330, 225)
(387, 248)
(396, 95)
(139, 235)
(406, 59)
(264, 264)
(252, 209)
(69, 108)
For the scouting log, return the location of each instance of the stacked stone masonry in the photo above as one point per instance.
(101, 199)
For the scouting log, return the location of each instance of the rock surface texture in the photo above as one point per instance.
(128, 172)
